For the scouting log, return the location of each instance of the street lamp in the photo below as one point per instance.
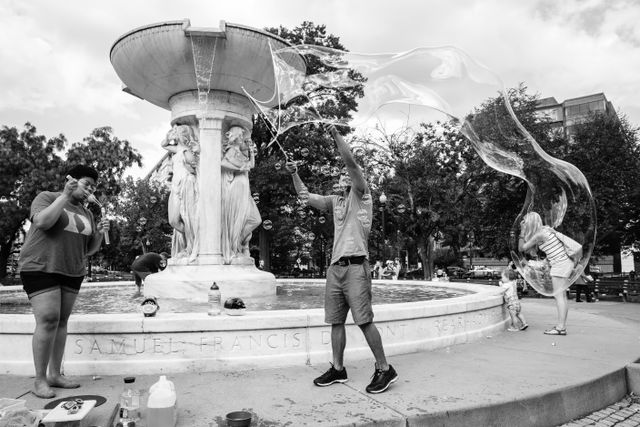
(383, 200)
(472, 238)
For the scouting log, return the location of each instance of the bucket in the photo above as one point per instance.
(239, 419)
(162, 408)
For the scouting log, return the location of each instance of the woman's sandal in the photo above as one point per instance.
(556, 331)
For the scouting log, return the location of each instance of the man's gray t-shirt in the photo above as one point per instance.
(351, 224)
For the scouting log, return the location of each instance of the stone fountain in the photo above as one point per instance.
(199, 75)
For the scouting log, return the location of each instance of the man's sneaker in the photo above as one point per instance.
(332, 376)
(382, 380)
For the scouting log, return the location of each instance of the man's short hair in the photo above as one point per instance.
(82, 171)
(164, 255)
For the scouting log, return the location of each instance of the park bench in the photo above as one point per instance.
(624, 288)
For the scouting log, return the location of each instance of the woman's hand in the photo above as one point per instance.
(70, 186)
(103, 225)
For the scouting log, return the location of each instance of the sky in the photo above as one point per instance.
(56, 73)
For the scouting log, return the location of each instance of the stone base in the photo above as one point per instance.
(192, 282)
(110, 344)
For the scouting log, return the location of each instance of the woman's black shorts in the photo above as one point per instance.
(37, 282)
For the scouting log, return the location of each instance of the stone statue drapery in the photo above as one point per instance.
(240, 215)
(183, 200)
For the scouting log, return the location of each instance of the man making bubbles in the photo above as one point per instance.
(348, 283)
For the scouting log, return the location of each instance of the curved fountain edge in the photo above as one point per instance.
(105, 344)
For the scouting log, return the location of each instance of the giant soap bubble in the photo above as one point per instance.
(428, 84)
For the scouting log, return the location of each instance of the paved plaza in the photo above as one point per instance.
(510, 379)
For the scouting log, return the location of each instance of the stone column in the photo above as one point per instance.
(209, 201)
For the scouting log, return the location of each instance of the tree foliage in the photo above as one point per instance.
(606, 148)
(32, 163)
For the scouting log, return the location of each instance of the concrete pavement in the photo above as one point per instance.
(510, 379)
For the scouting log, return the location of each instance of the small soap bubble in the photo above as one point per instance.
(401, 208)
(322, 220)
(267, 224)
(335, 171)
(304, 152)
(311, 235)
(278, 166)
(366, 198)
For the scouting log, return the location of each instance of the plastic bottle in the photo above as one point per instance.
(162, 405)
(215, 300)
(129, 402)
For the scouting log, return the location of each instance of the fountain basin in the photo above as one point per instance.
(113, 344)
(156, 62)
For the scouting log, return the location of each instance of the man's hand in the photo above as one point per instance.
(291, 167)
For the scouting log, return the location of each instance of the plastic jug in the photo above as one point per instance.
(162, 406)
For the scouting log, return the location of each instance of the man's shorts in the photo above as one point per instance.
(38, 282)
(348, 287)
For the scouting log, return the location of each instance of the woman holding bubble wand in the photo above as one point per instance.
(52, 266)
(533, 236)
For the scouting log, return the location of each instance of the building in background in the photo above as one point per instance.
(567, 114)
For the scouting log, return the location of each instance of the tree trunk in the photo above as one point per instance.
(264, 249)
(426, 252)
(5, 251)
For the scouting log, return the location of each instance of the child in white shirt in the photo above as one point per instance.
(508, 282)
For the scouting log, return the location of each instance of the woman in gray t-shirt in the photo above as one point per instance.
(52, 264)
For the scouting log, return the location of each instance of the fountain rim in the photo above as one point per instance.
(477, 297)
(201, 31)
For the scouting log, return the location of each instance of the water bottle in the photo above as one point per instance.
(215, 300)
(129, 402)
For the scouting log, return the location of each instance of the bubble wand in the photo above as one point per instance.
(103, 212)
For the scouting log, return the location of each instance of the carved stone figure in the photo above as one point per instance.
(181, 141)
(240, 214)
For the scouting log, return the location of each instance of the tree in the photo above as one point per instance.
(445, 188)
(606, 148)
(31, 163)
(142, 223)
